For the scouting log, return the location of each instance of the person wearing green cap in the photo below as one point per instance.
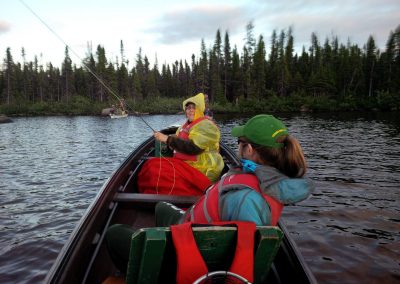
(271, 176)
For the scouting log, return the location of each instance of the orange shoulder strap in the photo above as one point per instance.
(190, 263)
(243, 261)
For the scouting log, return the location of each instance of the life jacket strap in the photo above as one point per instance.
(190, 263)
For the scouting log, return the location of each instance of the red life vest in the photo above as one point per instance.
(184, 134)
(206, 210)
(190, 263)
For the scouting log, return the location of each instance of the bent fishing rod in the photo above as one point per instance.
(84, 64)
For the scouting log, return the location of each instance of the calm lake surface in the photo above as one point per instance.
(51, 168)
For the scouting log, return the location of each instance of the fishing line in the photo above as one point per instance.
(111, 92)
(159, 171)
(83, 63)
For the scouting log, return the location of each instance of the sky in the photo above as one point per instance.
(171, 30)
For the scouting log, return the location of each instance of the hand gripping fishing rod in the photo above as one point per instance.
(83, 63)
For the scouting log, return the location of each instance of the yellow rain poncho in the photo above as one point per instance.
(205, 135)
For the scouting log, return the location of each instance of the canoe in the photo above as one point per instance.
(84, 257)
(122, 115)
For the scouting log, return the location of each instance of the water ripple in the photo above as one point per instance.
(52, 167)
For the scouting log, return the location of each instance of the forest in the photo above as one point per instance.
(327, 76)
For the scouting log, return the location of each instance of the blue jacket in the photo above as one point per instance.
(244, 204)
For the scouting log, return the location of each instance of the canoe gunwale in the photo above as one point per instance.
(85, 226)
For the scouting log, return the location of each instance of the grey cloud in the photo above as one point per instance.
(350, 19)
(346, 19)
(199, 22)
(4, 27)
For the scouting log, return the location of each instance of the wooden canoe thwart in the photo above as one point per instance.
(85, 259)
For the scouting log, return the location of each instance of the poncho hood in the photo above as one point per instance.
(198, 100)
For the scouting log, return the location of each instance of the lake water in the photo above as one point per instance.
(51, 168)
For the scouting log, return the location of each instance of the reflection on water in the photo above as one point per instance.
(52, 167)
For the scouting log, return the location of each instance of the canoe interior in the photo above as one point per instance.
(84, 258)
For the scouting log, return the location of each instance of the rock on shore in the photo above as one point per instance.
(4, 119)
(106, 111)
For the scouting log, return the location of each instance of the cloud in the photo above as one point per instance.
(4, 27)
(350, 19)
(194, 23)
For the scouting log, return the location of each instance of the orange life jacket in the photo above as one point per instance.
(206, 210)
(190, 263)
(184, 134)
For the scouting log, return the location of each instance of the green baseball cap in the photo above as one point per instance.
(262, 129)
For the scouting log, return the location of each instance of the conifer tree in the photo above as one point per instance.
(182, 79)
(216, 90)
(136, 86)
(289, 59)
(283, 69)
(90, 66)
(370, 64)
(227, 68)
(391, 63)
(189, 80)
(122, 75)
(236, 79)
(272, 70)
(157, 77)
(9, 76)
(145, 78)
(25, 76)
(140, 74)
(246, 70)
(247, 60)
(201, 81)
(259, 69)
(250, 39)
(101, 71)
(66, 73)
(53, 76)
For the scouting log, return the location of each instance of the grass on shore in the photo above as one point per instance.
(80, 105)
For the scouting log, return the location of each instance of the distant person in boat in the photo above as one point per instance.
(207, 112)
(196, 162)
(271, 176)
(122, 109)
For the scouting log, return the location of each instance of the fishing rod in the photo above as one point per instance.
(83, 63)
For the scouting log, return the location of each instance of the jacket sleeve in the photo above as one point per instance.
(183, 146)
(291, 190)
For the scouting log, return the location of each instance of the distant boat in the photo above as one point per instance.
(120, 115)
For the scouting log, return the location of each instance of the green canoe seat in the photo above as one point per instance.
(153, 260)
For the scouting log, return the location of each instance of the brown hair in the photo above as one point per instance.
(289, 159)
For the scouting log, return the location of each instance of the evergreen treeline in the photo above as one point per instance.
(328, 76)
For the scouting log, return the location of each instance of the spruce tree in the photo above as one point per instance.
(259, 70)
(227, 68)
(9, 77)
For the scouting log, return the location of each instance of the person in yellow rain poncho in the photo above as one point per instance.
(196, 162)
